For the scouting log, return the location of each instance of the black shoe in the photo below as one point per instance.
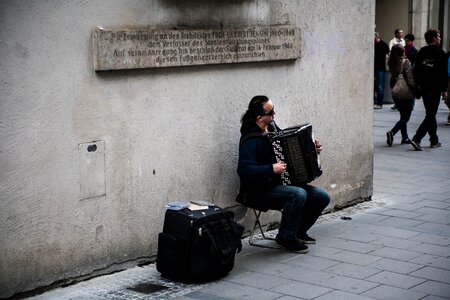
(292, 245)
(307, 239)
(390, 138)
(437, 145)
(416, 145)
(394, 107)
(406, 141)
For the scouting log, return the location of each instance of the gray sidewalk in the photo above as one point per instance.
(395, 247)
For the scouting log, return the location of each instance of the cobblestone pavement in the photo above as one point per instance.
(396, 246)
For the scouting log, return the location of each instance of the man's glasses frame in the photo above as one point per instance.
(269, 113)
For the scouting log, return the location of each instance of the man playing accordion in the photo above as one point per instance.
(261, 183)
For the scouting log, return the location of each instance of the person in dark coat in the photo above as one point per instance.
(430, 75)
(381, 52)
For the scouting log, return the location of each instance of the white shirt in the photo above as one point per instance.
(396, 41)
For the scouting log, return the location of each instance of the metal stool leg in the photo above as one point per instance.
(265, 237)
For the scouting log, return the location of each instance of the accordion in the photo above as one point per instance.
(295, 146)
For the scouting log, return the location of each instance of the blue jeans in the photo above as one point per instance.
(301, 207)
(405, 108)
(379, 87)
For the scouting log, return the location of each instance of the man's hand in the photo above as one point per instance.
(319, 146)
(279, 168)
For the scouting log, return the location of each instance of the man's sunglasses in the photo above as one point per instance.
(269, 113)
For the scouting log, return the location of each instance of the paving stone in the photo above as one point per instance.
(351, 270)
(288, 298)
(432, 260)
(432, 249)
(321, 250)
(386, 292)
(397, 266)
(432, 239)
(432, 297)
(433, 219)
(390, 231)
(432, 273)
(345, 244)
(300, 289)
(257, 280)
(438, 203)
(434, 288)
(307, 275)
(435, 228)
(405, 223)
(348, 284)
(398, 254)
(228, 290)
(395, 279)
(311, 262)
(356, 258)
(256, 266)
(338, 295)
(369, 218)
(396, 243)
(357, 236)
(402, 213)
(435, 211)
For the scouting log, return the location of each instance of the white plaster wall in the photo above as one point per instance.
(169, 134)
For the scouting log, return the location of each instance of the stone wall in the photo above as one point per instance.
(89, 159)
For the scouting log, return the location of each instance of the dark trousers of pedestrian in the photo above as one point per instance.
(405, 108)
(431, 102)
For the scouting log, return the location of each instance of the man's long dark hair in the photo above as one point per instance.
(255, 109)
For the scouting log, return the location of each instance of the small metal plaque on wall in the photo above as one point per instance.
(146, 48)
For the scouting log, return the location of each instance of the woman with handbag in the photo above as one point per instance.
(403, 91)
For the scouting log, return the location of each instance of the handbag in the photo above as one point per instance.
(401, 88)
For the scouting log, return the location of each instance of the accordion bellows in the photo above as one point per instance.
(295, 146)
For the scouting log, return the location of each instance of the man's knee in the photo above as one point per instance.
(297, 197)
(326, 199)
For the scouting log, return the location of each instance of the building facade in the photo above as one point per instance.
(413, 16)
(89, 159)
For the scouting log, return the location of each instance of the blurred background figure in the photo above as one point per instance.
(410, 52)
(381, 53)
(447, 98)
(410, 49)
(399, 64)
(398, 39)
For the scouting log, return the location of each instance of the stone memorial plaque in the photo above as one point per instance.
(147, 48)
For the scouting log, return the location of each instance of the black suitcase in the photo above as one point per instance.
(198, 245)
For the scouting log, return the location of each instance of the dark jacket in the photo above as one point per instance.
(255, 169)
(381, 50)
(430, 69)
(411, 53)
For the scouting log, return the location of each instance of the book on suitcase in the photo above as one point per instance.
(198, 245)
